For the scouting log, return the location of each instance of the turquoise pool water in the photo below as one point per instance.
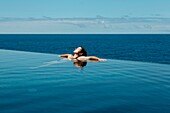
(44, 83)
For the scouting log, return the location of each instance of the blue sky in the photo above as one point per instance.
(83, 8)
(15, 16)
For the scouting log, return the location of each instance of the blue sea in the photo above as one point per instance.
(146, 48)
(134, 79)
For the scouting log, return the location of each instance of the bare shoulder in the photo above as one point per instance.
(83, 58)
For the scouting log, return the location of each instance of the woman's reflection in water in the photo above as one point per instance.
(79, 64)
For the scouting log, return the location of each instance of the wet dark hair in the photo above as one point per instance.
(83, 51)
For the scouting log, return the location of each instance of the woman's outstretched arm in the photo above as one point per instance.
(65, 55)
(91, 58)
(69, 56)
(96, 59)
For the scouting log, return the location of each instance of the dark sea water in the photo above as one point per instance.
(145, 48)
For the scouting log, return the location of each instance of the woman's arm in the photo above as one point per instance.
(96, 59)
(69, 56)
(65, 55)
(90, 58)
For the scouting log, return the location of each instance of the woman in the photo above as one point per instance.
(81, 55)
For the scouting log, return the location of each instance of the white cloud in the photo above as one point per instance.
(84, 25)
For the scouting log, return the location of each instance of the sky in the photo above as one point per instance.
(83, 8)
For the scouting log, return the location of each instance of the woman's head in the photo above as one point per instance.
(80, 51)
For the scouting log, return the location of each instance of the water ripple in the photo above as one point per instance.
(34, 82)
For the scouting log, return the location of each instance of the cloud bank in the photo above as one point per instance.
(97, 25)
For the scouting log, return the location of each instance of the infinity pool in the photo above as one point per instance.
(45, 83)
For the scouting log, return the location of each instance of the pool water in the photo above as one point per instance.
(44, 83)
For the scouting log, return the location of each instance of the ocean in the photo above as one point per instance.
(134, 79)
(153, 48)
